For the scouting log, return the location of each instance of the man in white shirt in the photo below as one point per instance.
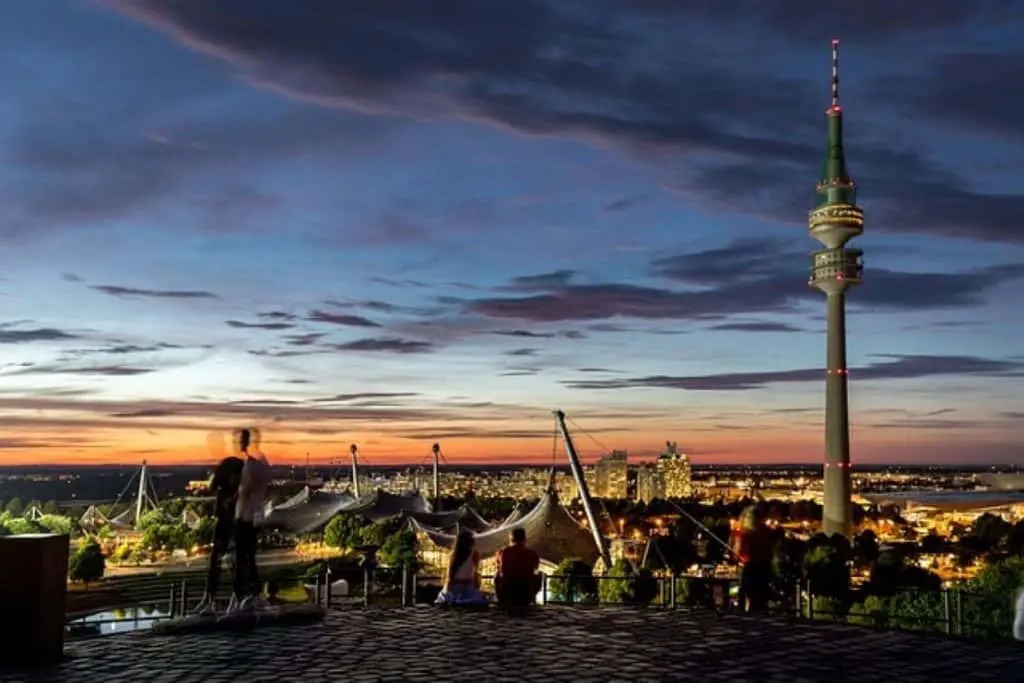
(252, 493)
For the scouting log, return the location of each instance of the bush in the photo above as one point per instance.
(573, 581)
(56, 524)
(87, 564)
(872, 612)
(626, 585)
(20, 525)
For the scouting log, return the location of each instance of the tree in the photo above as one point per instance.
(865, 547)
(827, 572)
(988, 603)
(377, 533)
(932, 544)
(15, 507)
(399, 549)
(56, 524)
(205, 530)
(1015, 539)
(991, 529)
(87, 564)
(50, 508)
(151, 519)
(344, 531)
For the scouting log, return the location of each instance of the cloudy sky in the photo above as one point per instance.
(393, 221)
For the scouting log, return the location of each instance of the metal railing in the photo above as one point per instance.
(945, 611)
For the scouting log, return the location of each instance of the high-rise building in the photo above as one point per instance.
(674, 472)
(648, 483)
(835, 221)
(612, 475)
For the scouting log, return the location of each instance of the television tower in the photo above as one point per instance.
(835, 221)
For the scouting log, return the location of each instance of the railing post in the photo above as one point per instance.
(405, 584)
(948, 616)
(810, 602)
(366, 586)
(414, 585)
(316, 589)
(543, 589)
(183, 598)
(672, 590)
(172, 602)
(959, 611)
(327, 588)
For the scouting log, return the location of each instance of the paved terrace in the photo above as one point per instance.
(550, 644)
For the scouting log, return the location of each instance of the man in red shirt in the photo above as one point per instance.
(517, 582)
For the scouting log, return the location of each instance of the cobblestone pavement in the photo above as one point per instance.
(551, 644)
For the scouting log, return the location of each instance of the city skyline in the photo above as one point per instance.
(391, 226)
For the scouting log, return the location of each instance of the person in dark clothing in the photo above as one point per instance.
(226, 479)
(517, 582)
(754, 545)
(249, 511)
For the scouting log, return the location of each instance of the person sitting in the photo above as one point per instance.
(462, 581)
(273, 599)
(517, 582)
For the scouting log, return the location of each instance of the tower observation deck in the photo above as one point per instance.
(834, 221)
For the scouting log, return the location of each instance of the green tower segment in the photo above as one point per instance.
(835, 220)
(835, 185)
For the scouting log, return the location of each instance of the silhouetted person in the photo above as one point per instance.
(517, 581)
(252, 493)
(754, 545)
(226, 478)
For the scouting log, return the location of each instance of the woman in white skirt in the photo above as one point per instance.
(462, 582)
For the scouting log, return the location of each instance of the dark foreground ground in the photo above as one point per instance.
(550, 644)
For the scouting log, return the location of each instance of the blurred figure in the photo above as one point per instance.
(1018, 621)
(272, 594)
(517, 582)
(462, 582)
(226, 479)
(754, 545)
(252, 493)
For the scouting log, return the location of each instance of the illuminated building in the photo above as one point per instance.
(611, 475)
(648, 484)
(674, 472)
(834, 222)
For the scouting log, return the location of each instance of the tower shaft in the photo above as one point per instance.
(837, 517)
(834, 222)
(140, 499)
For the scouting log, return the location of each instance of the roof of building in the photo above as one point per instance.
(948, 500)
(462, 517)
(550, 530)
(308, 513)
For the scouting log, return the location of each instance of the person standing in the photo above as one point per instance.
(252, 493)
(225, 482)
(754, 546)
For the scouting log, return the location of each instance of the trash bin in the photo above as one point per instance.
(33, 587)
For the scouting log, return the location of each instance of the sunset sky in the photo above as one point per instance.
(391, 222)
